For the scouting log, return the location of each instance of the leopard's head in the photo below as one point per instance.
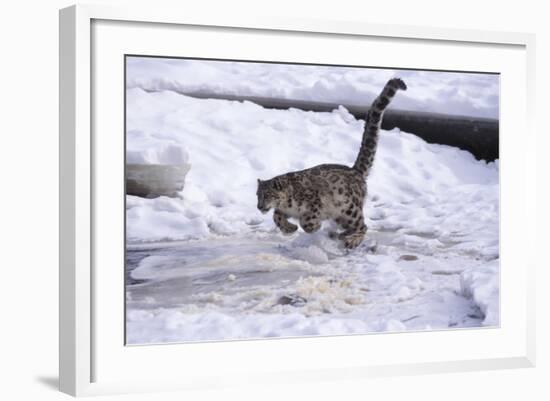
(269, 193)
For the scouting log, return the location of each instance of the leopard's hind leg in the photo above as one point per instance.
(354, 226)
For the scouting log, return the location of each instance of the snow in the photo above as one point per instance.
(437, 92)
(482, 285)
(210, 266)
(155, 151)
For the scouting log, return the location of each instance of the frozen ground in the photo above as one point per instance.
(210, 266)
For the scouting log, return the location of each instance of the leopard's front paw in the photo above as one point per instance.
(289, 229)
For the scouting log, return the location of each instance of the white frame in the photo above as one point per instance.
(76, 207)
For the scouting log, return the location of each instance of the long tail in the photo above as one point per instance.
(373, 123)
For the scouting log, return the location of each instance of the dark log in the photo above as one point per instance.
(479, 136)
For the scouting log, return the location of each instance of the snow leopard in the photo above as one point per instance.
(329, 191)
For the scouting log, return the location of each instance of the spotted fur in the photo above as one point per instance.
(329, 191)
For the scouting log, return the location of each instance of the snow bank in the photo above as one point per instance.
(439, 92)
(414, 186)
(154, 150)
(482, 285)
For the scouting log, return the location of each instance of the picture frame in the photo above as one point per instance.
(92, 353)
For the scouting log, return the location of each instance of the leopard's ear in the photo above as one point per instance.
(259, 181)
(277, 185)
